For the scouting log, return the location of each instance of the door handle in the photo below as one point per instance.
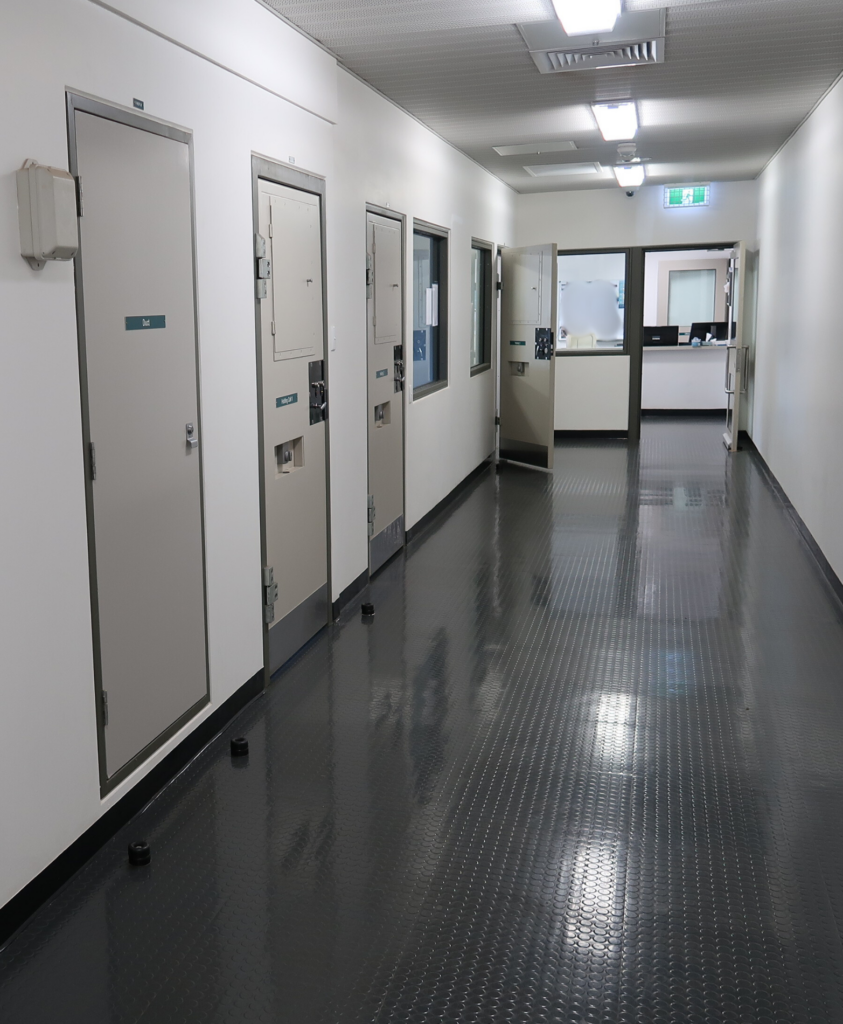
(190, 435)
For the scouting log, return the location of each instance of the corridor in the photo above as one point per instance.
(582, 766)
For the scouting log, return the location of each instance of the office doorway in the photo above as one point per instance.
(385, 387)
(293, 407)
(135, 285)
(694, 338)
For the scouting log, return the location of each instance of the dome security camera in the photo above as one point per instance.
(630, 192)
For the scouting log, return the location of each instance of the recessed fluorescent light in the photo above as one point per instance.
(616, 121)
(545, 170)
(534, 147)
(579, 17)
(629, 175)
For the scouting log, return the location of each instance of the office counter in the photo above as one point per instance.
(683, 377)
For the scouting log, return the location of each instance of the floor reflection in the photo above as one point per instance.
(583, 765)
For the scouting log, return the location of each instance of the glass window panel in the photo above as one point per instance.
(480, 269)
(590, 306)
(425, 309)
(690, 296)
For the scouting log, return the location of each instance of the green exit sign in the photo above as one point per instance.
(682, 196)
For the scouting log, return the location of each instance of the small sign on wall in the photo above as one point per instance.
(677, 197)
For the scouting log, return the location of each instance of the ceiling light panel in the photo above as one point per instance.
(534, 147)
(548, 170)
(579, 17)
(616, 121)
(629, 175)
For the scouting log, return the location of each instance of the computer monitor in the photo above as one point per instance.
(661, 335)
(717, 330)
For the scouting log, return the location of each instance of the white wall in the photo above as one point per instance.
(592, 393)
(798, 410)
(49, 791)
(386, 158)
(600, 218)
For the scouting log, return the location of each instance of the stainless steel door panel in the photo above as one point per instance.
(385, 385)
(527, 362)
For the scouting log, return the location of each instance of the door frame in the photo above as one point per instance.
(636, 368)
(279, 173)
(401, 218)
(134, 119)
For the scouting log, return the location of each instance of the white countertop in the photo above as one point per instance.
(685, 348)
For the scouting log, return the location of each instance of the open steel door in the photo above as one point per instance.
(528, 345)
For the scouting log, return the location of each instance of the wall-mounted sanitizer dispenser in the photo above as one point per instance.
(49, 229)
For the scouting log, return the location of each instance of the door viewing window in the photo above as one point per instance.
(430, 363)
(481, 308)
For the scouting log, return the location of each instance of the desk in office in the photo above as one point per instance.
(683, 377)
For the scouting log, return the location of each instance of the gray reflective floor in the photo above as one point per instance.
(586, 764)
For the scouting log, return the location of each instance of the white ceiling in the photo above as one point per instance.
(738, 77)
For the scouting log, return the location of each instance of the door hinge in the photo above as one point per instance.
(370, 514)
(79, 204)
(104, 700)
(270, 593)
(92, 459)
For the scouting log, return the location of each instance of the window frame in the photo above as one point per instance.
(442, 237)
(601, 353)
(487, 249)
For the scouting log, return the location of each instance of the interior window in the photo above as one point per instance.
(429, 356)
(591, 301)
(481, 319)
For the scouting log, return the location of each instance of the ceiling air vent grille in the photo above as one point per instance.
(637, 39)
(581, 60)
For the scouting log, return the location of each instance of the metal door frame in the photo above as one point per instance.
(133, 119)
(278, 173)
(401, 218)
(639, 254)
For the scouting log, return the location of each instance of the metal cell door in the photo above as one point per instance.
(385, 361)
(736, 355)
(294, 410)
(527, 348)
(137, 334)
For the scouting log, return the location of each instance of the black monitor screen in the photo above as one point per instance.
(661, 335)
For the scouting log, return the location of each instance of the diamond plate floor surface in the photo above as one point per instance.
(585, 765)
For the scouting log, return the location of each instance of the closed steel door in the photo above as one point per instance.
(294, 410)
(385, 361)
(142, 432)
(527, 351)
